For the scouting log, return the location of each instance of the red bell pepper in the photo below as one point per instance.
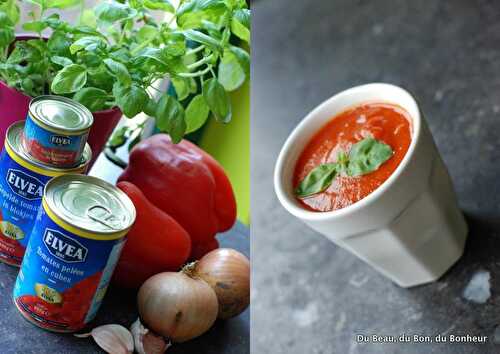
(186, 183)
(156, 243)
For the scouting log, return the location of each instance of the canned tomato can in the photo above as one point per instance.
(56, 130)
(73, 250)
(22, 180)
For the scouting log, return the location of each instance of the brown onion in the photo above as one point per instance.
(227, 271)
(177, 306)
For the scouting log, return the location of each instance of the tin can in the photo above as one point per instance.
(22, 180)
(56, 130)
(73, 250)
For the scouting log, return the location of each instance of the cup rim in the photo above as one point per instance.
(291, 204)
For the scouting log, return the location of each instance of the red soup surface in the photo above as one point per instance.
(387, 123)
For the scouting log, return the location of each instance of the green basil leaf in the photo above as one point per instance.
(87, 30)
(146, 33)
(27, 84)
(202, 38)
(89, 43)
(240, 4)
(39, 45)
(62, 61)
(6, 37)
(121, 54)
(316, 181)
(100, 77)
(212, 29)
(170, 118)
(131, 100)
(11, 9)
(61, 4)
(54, 22)
(88, 18)
(158, 60)
(110, 12)
(119, 137)
(6, 30)
(59, 44)
(164, 5)
(70, 79)
(119, 70)
(152, 55)
(196, 113)
(22, 52)
(5, 21)
(367, 155)
(35, 26)
(243, 58)
(231, 73)
(243, 17)
(191, 14)
(176, 44)
(91, 60)
(150, 108)
(217, 99)
(112, 32)
(128, 25)
(342, 162)
(181, 86)
(91, 97)
(240, 24)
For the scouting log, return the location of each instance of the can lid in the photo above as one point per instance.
(89, 204)
(14, 140)
(61, 113)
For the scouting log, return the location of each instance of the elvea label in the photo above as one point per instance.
(24, 184)
(64, 247)
(20, 197)
(60, 140)
(64, 277)
(53, 148)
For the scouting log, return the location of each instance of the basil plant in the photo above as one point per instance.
(117, 50)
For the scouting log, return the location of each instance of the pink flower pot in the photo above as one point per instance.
(14, 107)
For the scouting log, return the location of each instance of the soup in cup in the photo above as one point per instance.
(362, 169)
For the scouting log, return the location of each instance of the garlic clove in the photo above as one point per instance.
(138, 332)
(147, 342)
(154, 344)
(112, 338)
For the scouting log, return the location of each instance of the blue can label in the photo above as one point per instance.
(53, 148)
(20, 196)
(63, 247)
(64, 276)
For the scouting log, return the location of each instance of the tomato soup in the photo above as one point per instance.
(387, 123)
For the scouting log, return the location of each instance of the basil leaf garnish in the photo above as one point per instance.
(317, 180)
(364, 157)
(367, 156)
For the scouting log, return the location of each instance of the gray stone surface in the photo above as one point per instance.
(18, 336)
(310, 296)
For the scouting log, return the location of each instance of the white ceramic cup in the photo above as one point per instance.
(410, 228)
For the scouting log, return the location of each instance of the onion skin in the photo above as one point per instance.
(177, 306)
(227, 271)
